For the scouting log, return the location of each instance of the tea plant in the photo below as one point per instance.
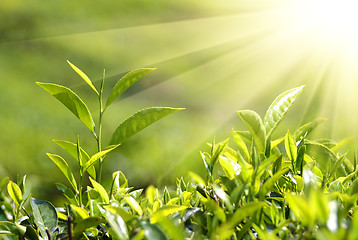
(255, 187)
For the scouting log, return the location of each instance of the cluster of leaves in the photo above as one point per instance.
(287, 188)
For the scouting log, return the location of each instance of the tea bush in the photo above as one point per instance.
(255, 187)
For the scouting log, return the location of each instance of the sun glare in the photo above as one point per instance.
(331, 22)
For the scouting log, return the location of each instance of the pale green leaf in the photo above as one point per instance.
(118, 226)
(100, 189)
(65, 169)
(125, 82)
(307, 128)
(165, 211)
(139, 121)
(83, 76)
(240, 142)
(134, 204)
(71, 148)
(98, 156)
(279, 108)
(254, 123)
(15, 192)
(68, 98)
(290, 146)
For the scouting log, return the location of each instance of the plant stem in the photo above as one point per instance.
(99, 137)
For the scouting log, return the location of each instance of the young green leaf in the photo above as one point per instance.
(279, 108)
(100, 189)
(290, 146)
(83, 76)
(45, 215)
(71, 148)
(165, 211)
(254, 123)
(68, 98)
(125, 82)
(98, 156)
(117, 224)
(84, 224)
(65, 169)
(152, 231)
(307, 128)
(139, 121)
(14, 192)
(134, 204)
(240, 142)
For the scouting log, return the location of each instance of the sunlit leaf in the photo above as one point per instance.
(165, 211)
(267, 186)
(83, 76)
(134, 204)
(15, 192)
(290, 146)
(242, 146)
(254, 123)
(301, 208)
(139, 121)
(125, 82)
(117, 224)
(306, 129)
(100, 189)
(71, 148)
(65, 169)
(98, 156)
(125, 215)
(324, 157)
(68, 98)
(278, 109)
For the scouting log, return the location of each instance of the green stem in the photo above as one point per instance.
(99, 137)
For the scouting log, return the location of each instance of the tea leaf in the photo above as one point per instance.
(84, 224)
(7, 227)
(45, 215)
(307, 128)
(125, 215)
(83, 76)
(139, 121)
(290, 146)
(65, 169)
(68, 98)
(125, 82)
(254, 123)
(100, 189)
(153, 231)
(278, 109)
(240, 142)
(97, 157)
(71, 148)
(15, 192)
(165, 211)
(117, 224)
(134, 204)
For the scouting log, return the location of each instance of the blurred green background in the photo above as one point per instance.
(212, 57)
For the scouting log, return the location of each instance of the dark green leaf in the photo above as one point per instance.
(278, 109)
(84, 224)
(153, 231)
(139, 121)
(45, 215)
(31, 233)
(12, 228)
(68, 98)
(125, 82)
